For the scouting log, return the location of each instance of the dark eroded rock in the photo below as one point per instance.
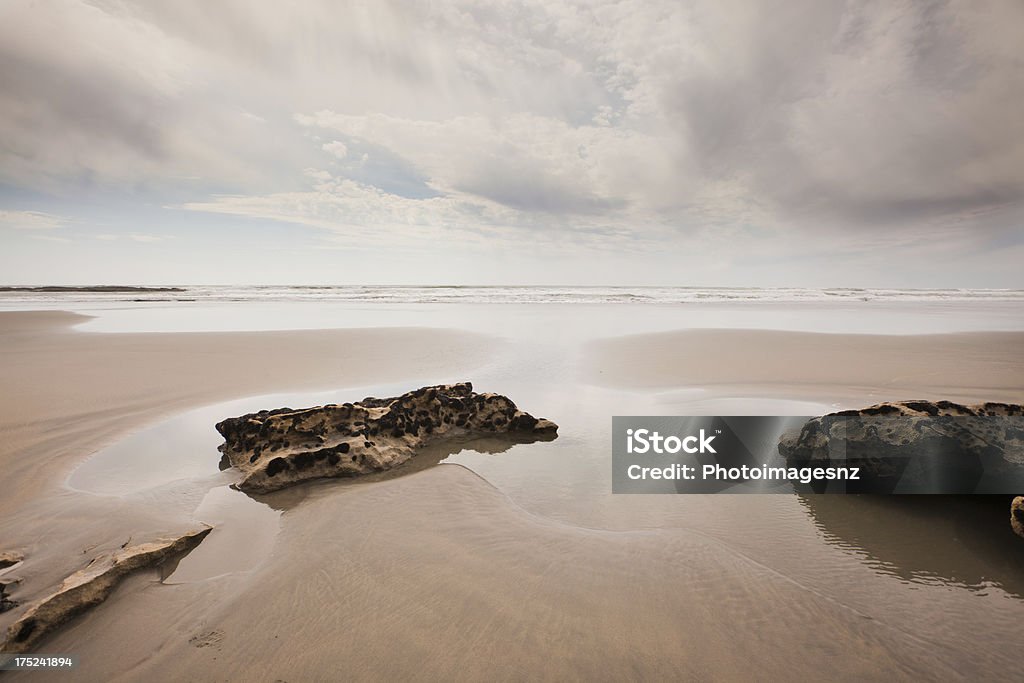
(927, 445)
(280, 447)
(1017, 515)
(90, 586)
(6, 603)
(8, 560)
(916, 441)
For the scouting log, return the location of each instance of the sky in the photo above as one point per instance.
(708, 143)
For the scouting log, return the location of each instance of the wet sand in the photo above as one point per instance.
(68, 394)
(441, 575)
(438, 577)
(970, 367)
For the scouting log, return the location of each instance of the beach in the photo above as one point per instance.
(507, 562)
(511, 341)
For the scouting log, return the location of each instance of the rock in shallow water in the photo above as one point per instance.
(9, 559)
(90, 586)
(277, 448)
(1017, 515)
(916, 446)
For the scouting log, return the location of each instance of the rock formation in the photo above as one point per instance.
(920, 446)
(911, 444)
(1017, 515)
(90, 586)
(277, 448)
(7, 560)
(5, 602)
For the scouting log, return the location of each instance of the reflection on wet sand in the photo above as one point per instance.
(425, 458)
(175, 464)
(246, 524)
(959, 540)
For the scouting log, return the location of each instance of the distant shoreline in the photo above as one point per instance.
(494, 294)
(91, 288)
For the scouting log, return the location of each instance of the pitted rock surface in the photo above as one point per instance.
(277, 448)
(929, 440)
(1017, 515)
(923, 428)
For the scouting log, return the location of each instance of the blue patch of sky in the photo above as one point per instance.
(380, 167)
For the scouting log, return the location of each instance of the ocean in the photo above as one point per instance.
(441, 294)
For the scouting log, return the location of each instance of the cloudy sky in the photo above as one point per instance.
(715, 142)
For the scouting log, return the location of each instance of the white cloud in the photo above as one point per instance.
(337, 148)
(524, 161)
(876, 114)
(30, 220)
(626, 123)
(357, 215)
(132, 237)
(51, 238)
(363, 214)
